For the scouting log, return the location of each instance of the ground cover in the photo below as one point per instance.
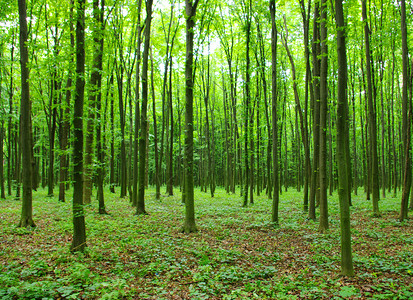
(236, 254)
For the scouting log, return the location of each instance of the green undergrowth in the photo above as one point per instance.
(236, 254)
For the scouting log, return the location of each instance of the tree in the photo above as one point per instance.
(342, 143)
(26, 219)
(137, 116)
(406, 117)
(316, 111)
(79, 228)
(323, 225)
(189, 224)
(98, 62)
(275, 181)
(372, 118)
(140, 207)
(65, 118)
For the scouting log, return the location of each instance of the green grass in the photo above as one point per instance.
(236, 254)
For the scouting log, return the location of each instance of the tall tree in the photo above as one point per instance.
(308, 90)
(65, 117)
(316, 111)
(79, 228)
(372, 117)
(155, 133)
(26, 219)
(247, 109)
(406, 117)
(137, 116)
(189, 224)
(342, 143)
(275, 181)
(3, 195)
(140, 207)
(323, 225)
(98, 62)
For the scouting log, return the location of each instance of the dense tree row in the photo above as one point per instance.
(265, 97)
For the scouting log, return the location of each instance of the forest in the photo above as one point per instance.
(206, 150)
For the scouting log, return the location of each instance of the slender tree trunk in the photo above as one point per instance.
(137, 115)
(99, 42)
(316, 113)
(308, 80)
(169, 175)
(79, 233)
(112, 141)
(342, 143)
(247, 106)
(10, 123)
(65, 118)
(406, 119)
(155, 133)
(189, 224)
(3, 195)
(26, 219)
(140, 207)
(353, 100)
(372, 118)
(275, 182)
(323, 225)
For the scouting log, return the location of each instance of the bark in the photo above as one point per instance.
(308, 80)
(140, 207)
(79, 233)
(372, 118)
(65, 118)
(99, 43)
(316, 113)
(112, 141)
(275, 182)
(247, 107)
(137, 116)
(26, 219)
(406, 117)
(155, 133)
(342, 143)
(323, 225)
(10, 124)
(189, 224)
(3, 195)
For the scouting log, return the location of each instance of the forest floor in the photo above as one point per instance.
(236, 254)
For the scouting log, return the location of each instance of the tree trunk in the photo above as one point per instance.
(10, 124)
(140, 207)
(316, 113)
(406, 118)
(112, 141)
(155, 133)
(26, 219)
(79, 233)
(65, 119)
(98, 59)
(323, 225)
(189, 224)
(275, 183)
(342, 144)
(137, 115)
(372, 118)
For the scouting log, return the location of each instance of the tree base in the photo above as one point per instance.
(141, 213)
(189, 228)
(78, 248)
(103, 212)
(26, 222)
